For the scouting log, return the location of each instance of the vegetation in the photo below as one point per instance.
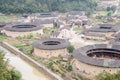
(79, 77)
(70, 48)
(31, 6)
(59, 65)
(7, 18)
(2, 37)
(108, 76)
(24, 44)
(5, 72)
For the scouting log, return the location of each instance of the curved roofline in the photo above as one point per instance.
(81, 55)
(17, 29)
(39, 44)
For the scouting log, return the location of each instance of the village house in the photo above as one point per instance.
(26, 18)
(77, 18)
(101, 32)
(63, 33)
(103, 4)
(46, 19)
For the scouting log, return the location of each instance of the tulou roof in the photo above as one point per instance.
(81, 54)
(51, 44)
(105, 28)
(22, 27)
(47, 21)
(50, 14)
(76, 13)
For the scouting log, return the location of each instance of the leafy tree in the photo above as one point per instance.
(31, 6)
(5, 73)
(69, 67)
(108, 8)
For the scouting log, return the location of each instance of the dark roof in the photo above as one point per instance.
(25, 15)
(2, 24)
(46, 21)
(75, 13)
(105, 28)
(50, 14)
(116, 39)
(94, 34)
(22, 27)
(40, 44)
(81, 55)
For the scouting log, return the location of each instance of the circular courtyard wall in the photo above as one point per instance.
(50, 47)
(94, 59)
(22, 29)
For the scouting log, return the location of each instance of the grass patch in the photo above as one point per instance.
(77, 29)
(7, 18)
(102, 13)
(2, 37)
(48, 31)
(118, 13)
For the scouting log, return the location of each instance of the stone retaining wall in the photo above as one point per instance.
(38, 66)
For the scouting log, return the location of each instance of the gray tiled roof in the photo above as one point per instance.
(39, 44)
(22, 27)
(105, 28)
(75, 13)
(50, 14)
(46, 21)
(81, 55)
(94, 34)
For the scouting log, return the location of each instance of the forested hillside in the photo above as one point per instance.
(30, 6)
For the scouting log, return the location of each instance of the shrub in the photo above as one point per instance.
(15, 75)
(69, 67)
(70, 48)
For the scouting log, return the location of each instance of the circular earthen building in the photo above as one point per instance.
(50, 47)
(97, 58)
(22, 29)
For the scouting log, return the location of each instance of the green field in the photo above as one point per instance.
(8, 18)
(102, 13)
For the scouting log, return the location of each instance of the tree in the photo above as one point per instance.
(69, 67)
(113, 8)
(15, 75)
(32, 6)
(5, 73)
(108, 76)
(108, 8)
(109, 14)
(70, 48)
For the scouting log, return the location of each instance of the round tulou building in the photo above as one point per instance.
(22, 29)
(50, 47)
(94, 59)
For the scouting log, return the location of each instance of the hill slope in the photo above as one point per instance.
(29, 6)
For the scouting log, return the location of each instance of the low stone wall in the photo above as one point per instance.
(38, 66)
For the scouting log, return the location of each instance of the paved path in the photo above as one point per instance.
(27, 71)
(78, 42)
